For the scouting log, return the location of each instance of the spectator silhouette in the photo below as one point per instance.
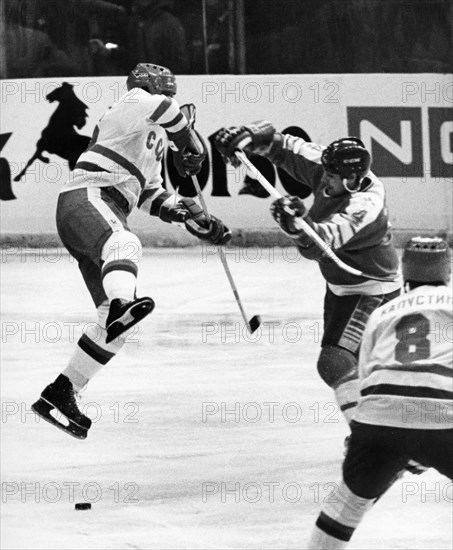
(29, 52)
(156, 34)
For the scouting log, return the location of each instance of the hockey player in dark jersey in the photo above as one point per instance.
(406, 406)
(121, 169)
(350, 215)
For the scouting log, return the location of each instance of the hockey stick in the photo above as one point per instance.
(302, 224)
(255, 321)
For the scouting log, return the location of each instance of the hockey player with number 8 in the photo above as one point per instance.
(121, 169)
(405, 409)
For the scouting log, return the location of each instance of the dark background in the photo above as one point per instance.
(45, 38)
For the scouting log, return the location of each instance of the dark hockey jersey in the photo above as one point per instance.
(355, 226)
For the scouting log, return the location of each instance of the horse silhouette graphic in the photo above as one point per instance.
(6, 193)
(59, 136)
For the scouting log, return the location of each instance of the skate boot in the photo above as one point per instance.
(60, 395)
(124, 315)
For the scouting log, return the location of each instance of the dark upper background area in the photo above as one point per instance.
(50, 38)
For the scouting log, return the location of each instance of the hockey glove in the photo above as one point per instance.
(191, 213)
(255, 138)
(173, 212)
(188, 161)
(286, 211)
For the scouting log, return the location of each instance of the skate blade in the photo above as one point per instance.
(129, 318)
(43, 409)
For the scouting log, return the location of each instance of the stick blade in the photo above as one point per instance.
(254, 323)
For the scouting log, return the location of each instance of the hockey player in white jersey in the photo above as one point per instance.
(406, 405)
(121, 169)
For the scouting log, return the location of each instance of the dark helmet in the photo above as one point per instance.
(345, 157)
(426, 260)
(153, 78)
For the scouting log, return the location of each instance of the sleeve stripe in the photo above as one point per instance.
(328, 236)
(146, 194)
(157, 203)
(161, 110)
(151, 200)
(181, 126)
(173, 122)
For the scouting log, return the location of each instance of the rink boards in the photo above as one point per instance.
(404, 119)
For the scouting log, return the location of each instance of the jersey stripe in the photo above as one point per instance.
(441, 370)
(90, 167)
(94, 196)
(95, 136)
(407, 391)
(123, 162)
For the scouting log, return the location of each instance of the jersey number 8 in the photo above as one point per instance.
(413, 344)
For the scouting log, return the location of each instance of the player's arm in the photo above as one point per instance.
(187, 146)
(301, 159)
(362, 221)
(184, 212)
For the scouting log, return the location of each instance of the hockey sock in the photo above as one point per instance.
(121, 255)
(91, 352)
(347, 395)
(119, 279)
(338, 520)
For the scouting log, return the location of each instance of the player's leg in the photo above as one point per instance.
(371, 466)
(93, 225)
(120, 256)
(92, 352)
(345, 318)
(89, 356)
(86, 224)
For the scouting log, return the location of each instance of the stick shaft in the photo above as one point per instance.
(221, 252)
(256, 174)
(226, 267)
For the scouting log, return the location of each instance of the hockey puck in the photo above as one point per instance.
(83, 506)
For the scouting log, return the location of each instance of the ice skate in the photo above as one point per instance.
(60, 395)
(124, 315)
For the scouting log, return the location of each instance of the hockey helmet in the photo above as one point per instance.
(153, 78)
(426, 260)
(345, 157)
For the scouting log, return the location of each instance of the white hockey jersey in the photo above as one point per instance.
(406, 362)
(128, 146)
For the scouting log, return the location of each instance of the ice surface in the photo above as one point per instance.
(189, 412)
